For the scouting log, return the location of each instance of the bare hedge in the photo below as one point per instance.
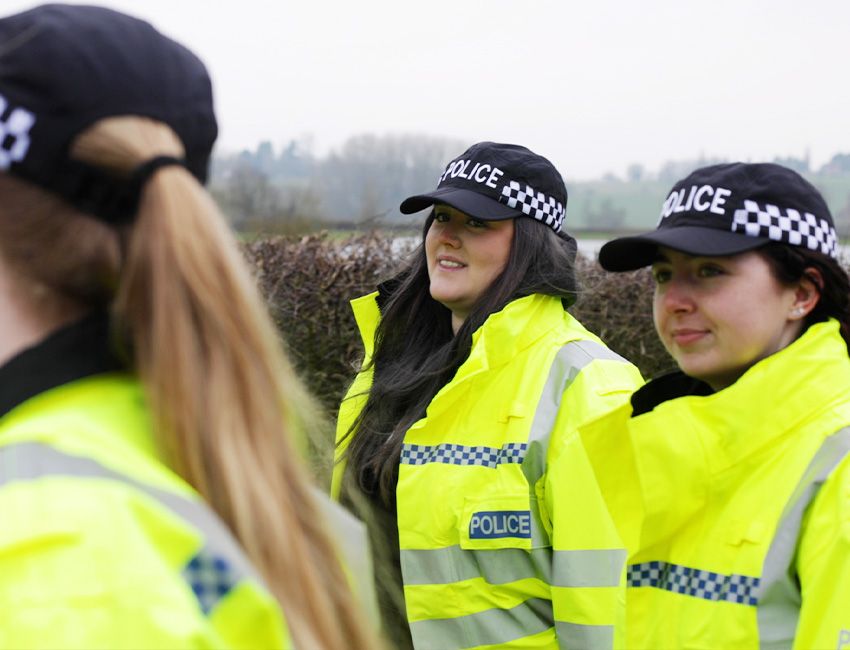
(308, 282)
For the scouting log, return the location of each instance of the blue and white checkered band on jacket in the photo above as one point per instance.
(534, 204)
(806, 230)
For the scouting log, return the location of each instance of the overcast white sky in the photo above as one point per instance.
(593, 85)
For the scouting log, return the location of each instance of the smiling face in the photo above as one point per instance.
(464, 256)
(718, 316)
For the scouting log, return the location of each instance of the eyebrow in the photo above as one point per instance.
(660, 257)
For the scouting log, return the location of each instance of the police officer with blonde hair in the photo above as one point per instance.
(151, 494)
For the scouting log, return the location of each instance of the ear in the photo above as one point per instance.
(806, 294)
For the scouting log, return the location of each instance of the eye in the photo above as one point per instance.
(661, 274)
(441, 217)
(710, 270)
(477, 223)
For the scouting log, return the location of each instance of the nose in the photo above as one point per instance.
(676, 296)
(448, 234)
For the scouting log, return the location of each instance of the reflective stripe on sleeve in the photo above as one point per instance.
(218, 566)
(453, 564)
(490, 627)
(569, 361)
(352, 543)
(574, 569)
(592, 568)
(779, 598)
(584, 637)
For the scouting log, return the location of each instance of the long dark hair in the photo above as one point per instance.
(416, 353)
(789, 265)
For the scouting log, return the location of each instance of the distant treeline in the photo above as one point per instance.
(362, 184)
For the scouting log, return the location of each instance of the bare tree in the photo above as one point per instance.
(370, 175)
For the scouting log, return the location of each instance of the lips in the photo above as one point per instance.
(449, 263)
(687, 336)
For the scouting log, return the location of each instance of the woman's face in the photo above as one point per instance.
(718, 316)
(464, 256)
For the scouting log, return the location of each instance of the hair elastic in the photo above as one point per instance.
(143, 172)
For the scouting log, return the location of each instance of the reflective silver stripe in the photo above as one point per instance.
(575, 569)
(596, 568)
(581, 637)
(581, 568)
(490, 627)
(353, 546)
(569, 361)
(779, 598)
(30, 461)
(453, 564)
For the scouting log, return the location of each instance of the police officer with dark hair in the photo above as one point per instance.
(729, 479)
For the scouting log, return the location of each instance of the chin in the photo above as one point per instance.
(696, 370)
(443, 299)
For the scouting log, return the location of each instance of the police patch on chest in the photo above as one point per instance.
(498, 524)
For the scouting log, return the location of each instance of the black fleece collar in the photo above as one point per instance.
(79, 350)
(666, 387)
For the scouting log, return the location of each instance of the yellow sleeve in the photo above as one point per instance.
(349, 409)
(824, 567)
(588, 586)
(609, 451)
(89, 564)
(367, 315)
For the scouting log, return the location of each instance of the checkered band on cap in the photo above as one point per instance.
(787, 226)
(534, 204)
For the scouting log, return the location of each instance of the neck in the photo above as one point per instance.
(457, 321)
(23, 323)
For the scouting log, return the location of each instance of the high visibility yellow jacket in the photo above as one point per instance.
(504, 539)
(101, 544)
(735, 506)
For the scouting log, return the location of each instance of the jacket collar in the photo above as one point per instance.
(505, 333)
(686, 444)
(73, 352)
(519, 325)
(818, 359)
(664, 388)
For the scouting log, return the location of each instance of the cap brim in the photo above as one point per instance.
(471, 203)
(630, 253)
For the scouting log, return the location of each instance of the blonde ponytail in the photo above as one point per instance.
(227, 405)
